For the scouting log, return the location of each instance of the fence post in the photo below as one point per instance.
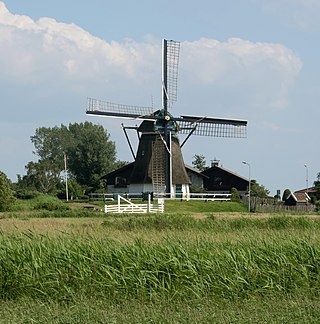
(119, 203)
(149, 202)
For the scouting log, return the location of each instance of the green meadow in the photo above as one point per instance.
(69, 265)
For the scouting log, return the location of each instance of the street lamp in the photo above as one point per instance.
(66, 174)
(307, 177)
(249, 191)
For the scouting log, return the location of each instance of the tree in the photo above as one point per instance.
(6, 193)
(91, 154)
(89, 151)
(317, 187)
(258, 190)
(44, 175)
(199, 162)
(286, 194)
(51, 143)
(75, 190)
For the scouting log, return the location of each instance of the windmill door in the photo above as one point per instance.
(178, 190)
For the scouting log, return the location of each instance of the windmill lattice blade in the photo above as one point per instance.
(216, 127)
(105, 108)
(173, 50)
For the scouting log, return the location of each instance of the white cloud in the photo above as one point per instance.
(263, 72)
(49, 51)
(223, 57)
(47, 46)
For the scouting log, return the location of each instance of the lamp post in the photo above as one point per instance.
(66, 174)
(307, 178)
(249, 189)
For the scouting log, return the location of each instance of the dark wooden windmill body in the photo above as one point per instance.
(150, 160)
(159, 159)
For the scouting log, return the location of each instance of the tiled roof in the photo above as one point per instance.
(312, 189)
(226, 170)
(301, 196)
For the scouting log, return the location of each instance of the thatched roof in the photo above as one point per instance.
(142, 170)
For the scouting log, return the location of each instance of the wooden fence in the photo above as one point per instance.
(269, 205)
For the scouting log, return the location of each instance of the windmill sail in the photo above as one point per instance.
(109, 109)
(172, 62)
(211, 126)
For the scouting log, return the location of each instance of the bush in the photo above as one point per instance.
(235, 195)
(317, 203)
(6, 193)
(27, 193)
(49, 203)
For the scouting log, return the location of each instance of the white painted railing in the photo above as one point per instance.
(139, 196)
(210, 196)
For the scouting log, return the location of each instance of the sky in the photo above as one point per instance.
(256, 60)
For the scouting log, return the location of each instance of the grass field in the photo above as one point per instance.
(178, 267)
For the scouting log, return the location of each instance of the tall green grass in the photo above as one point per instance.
(66, 267)
(182, 222)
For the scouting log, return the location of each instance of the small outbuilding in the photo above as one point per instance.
(297, 198)
(219, 179)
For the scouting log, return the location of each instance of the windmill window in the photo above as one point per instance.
(120, 182)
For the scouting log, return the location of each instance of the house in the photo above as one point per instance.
(219, 179)
(297, 198)
(118, 180)
(311, 191)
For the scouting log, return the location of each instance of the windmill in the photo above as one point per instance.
(159, 155)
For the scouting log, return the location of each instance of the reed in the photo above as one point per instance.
(211, 223)
(67, 266)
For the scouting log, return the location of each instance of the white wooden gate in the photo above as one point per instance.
(130, 207)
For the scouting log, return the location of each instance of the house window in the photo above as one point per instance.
(217, 181)
(120, 182)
